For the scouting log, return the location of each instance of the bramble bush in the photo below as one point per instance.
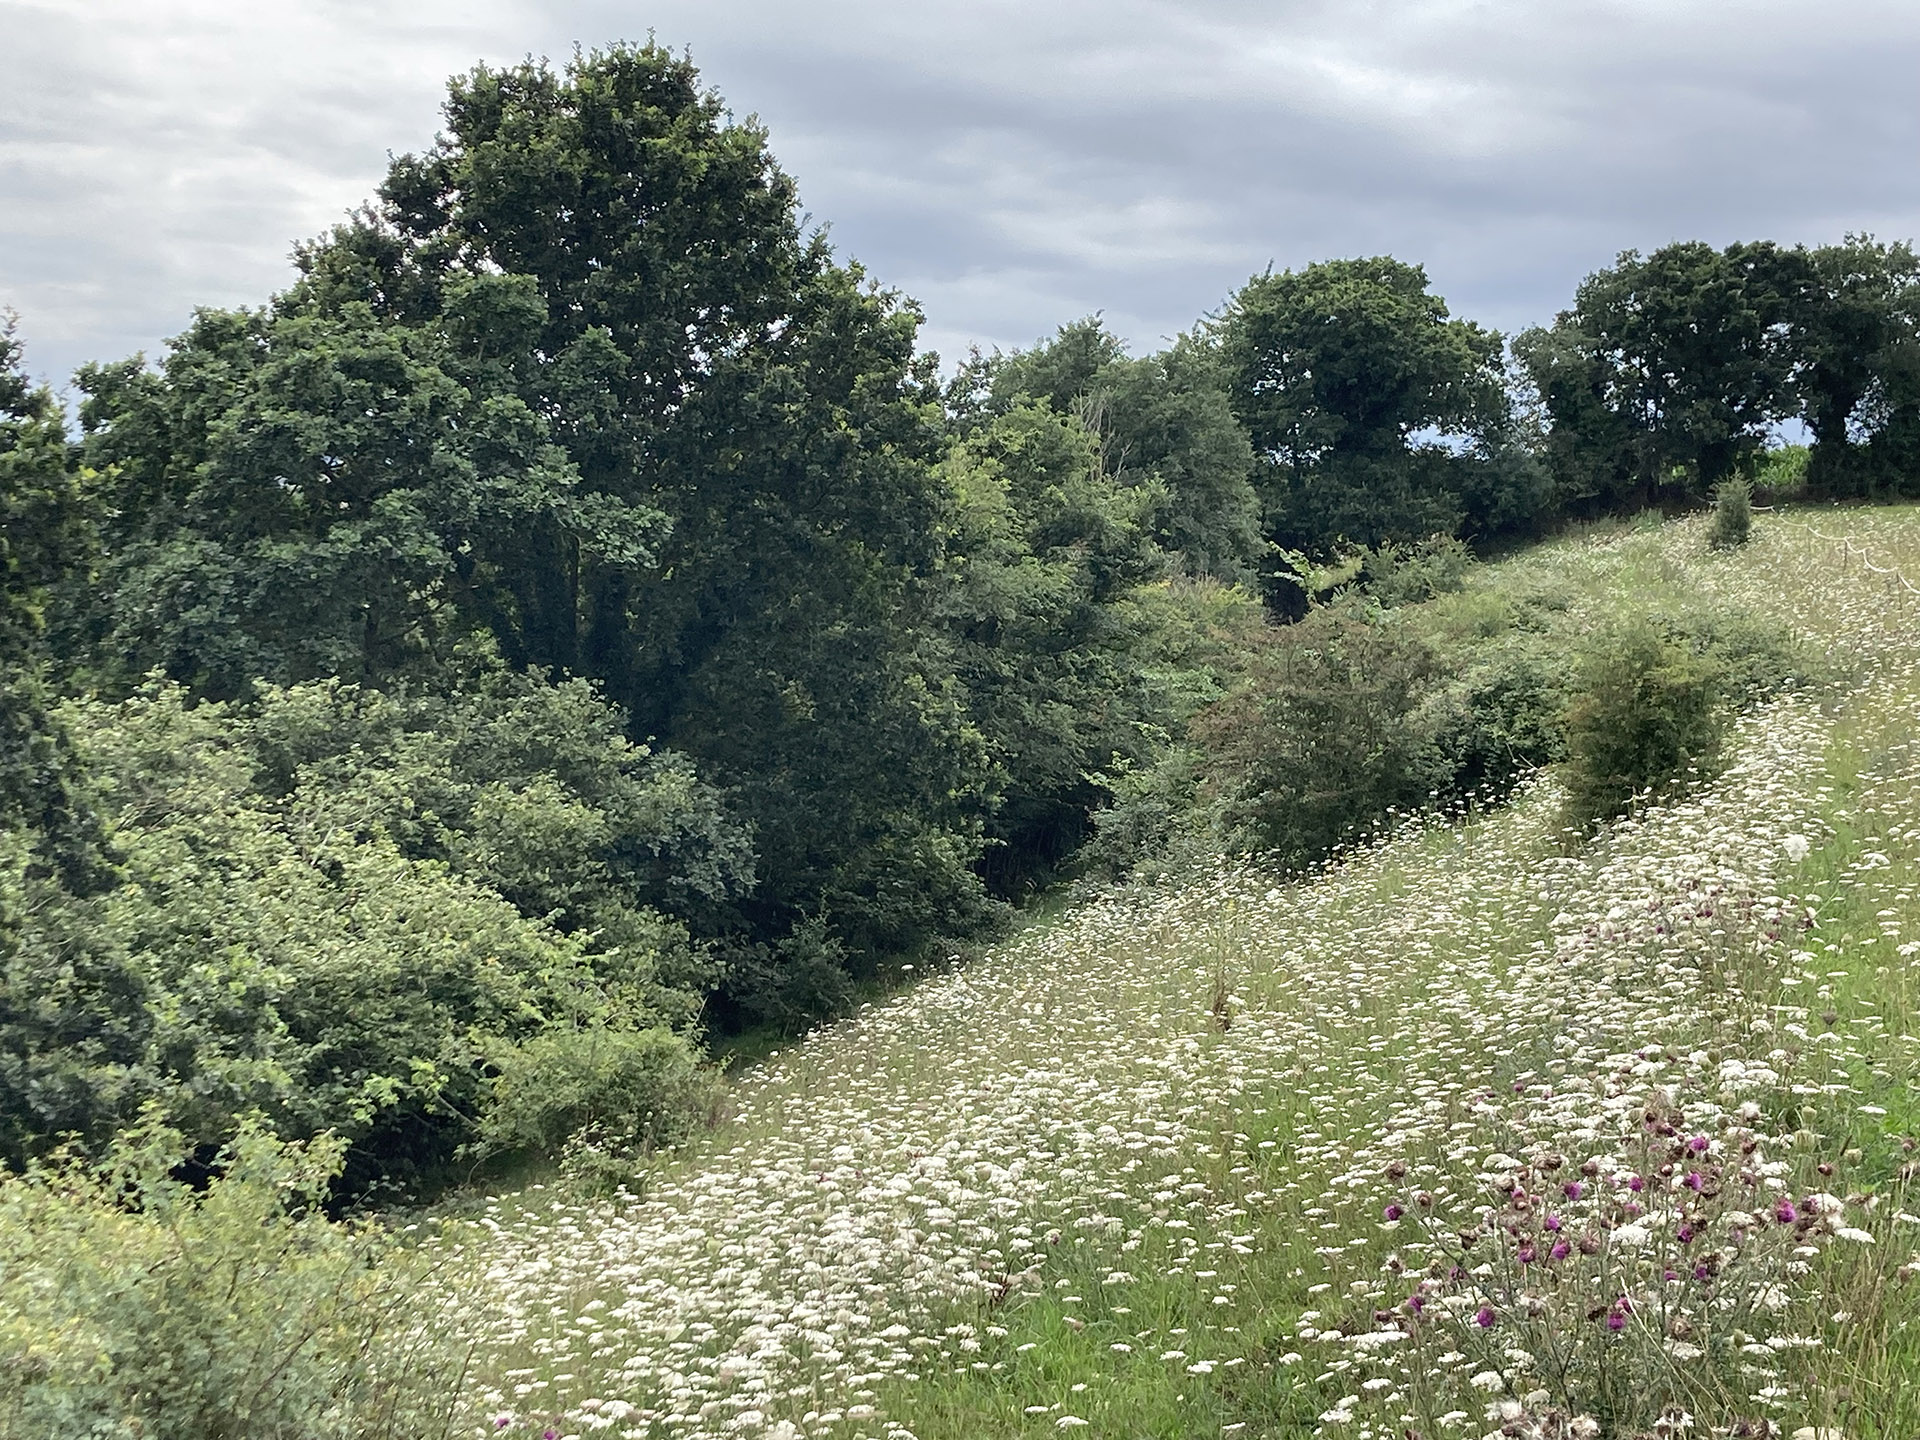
(615, 1094)
(1319, 742)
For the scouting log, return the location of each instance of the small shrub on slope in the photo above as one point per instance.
(622, 1092)
(1732, 514)
(1648, 714)
(1320, 741)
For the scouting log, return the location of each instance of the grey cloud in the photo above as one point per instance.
(1011, 165)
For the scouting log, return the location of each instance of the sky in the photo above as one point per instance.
(1012, 166)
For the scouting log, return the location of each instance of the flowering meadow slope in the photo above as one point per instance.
(1480, 1132)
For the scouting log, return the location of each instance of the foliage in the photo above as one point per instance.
(1501, 716)
(1162, 421)
(1732, 513)
(1648, 715)
(1782, 473)
(1664, 376)
(1406, 574)
(1374, 413)
(338, 921)
(1857, 335)
(579, 382)
(1156, 1165)
(790, 985)
(1318, 743)
(47, 819)
(1048, 551)
(139, 1306)
(1153, 820)
(633, 1090)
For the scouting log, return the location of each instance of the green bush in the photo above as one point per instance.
(136, 1307)
(1755, 658)
(336, 916)
(790, 985)
(1151, 810)
(1782, 474)
(1732, 514)
(1648, 715)
(1503, 716)
(635, 1090)
(1321, 741)
(1407, 574)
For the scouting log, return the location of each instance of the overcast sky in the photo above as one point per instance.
(1012, 165)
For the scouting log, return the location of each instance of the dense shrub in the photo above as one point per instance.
(139, 1308)
(338, 921)
(1782, 474)
(624, 1092)
(1320, 740)
(789, 985)
(1732, 513)
(1648, 715)
(1397, 574)
(1502, 717)
(1154, 810)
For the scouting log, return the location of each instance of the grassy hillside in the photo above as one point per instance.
(1484, 1117)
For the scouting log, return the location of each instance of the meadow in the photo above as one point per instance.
(1485, 1129)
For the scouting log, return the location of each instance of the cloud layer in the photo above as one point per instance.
(1010, 165)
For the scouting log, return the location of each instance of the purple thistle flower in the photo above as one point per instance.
(1695, 1180)
(1698, 1144)
(1561, 1249)
(1573, 1189)
(1636, 1184)
(1483, 1317)
(1393, 1212)
(1552, 1222)
(1616, 1322)
(1785, 1213)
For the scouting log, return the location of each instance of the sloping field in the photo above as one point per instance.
(1481, 1132)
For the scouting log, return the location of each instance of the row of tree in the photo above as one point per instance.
(578, 532)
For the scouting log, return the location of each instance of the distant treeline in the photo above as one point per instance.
(575, 613)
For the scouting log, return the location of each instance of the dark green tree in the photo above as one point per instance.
(1044, 627)
(47, 822)
(312, 489)
(1668, 372)
(579, 379)
(1371, 408)
(1856, 344)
